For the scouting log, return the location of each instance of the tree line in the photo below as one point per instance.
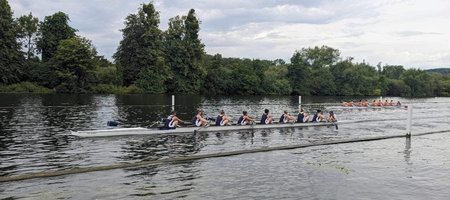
(49, 56)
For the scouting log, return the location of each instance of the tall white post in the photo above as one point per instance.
(299, 102)
(381, 99)
(409, 124)
(173, 102)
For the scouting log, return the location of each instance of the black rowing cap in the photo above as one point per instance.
(112, 123)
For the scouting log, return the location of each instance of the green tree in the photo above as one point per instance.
(11, 59)
(184, 54)
(72, 63)
(341, 79)
(299, 74)
(28, 27)
(104, 72)
(52, 30)
(419, 82)
(218, 79)
(195, 50)
(443, 87)
(398, 88)
(393, 71)
(244, 79)
(176, 56)
(356, 79)
(322, 82)
(275, 80)
(260, 67)
(306, 67)
(320, 56)
(141, 50)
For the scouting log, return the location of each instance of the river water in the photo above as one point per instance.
(35, 137)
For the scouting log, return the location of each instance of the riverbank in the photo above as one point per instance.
(29, 87)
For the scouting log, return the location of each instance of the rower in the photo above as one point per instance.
(172, 120)
(222, 119)
(302, 116)
(266, 118)
(391, 103)
(344, 104)
(379, 103)
(373, 103)
(350, 104)
(365, 103)
(199, 120)
(244, 119)
(285, 117)
(331, 117)
(318, 117)
(386, 103)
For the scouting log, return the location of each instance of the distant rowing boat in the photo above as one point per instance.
(364, 107)
(191, 129)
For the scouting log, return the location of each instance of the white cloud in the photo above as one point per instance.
(414, 33)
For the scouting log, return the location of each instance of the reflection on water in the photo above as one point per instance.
(34, 136)
(163, 147)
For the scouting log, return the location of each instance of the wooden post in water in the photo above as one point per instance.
(173, 102)
(409, 124)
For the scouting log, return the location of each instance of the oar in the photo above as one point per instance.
(201, 127)
(152, 125)
(253, 123)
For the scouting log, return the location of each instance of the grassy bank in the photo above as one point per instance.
(29, 87)
(24, 87)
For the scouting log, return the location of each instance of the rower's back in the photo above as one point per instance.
(219, 120)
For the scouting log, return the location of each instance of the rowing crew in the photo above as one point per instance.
(199, 120)
(365, 103)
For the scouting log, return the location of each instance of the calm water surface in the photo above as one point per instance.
(34, 137)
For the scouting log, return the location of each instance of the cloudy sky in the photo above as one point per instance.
(413, 33)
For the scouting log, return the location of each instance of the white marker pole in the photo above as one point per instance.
(299, 102)
(173, 102)
(409, 124)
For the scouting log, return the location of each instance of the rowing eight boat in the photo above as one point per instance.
(192, 129)
(365, 107)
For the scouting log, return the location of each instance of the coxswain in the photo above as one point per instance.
(302, 116)
(285, 117)
(222, 119)
(331, 117)
(398, 103)
(244, 119)
(172, 120)
(266, 118)
(199, 120)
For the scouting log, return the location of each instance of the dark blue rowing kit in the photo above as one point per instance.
(263, 118)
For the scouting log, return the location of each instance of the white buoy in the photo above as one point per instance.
(173, 102)
(409, 124)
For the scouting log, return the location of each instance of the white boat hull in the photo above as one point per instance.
(156, 131)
